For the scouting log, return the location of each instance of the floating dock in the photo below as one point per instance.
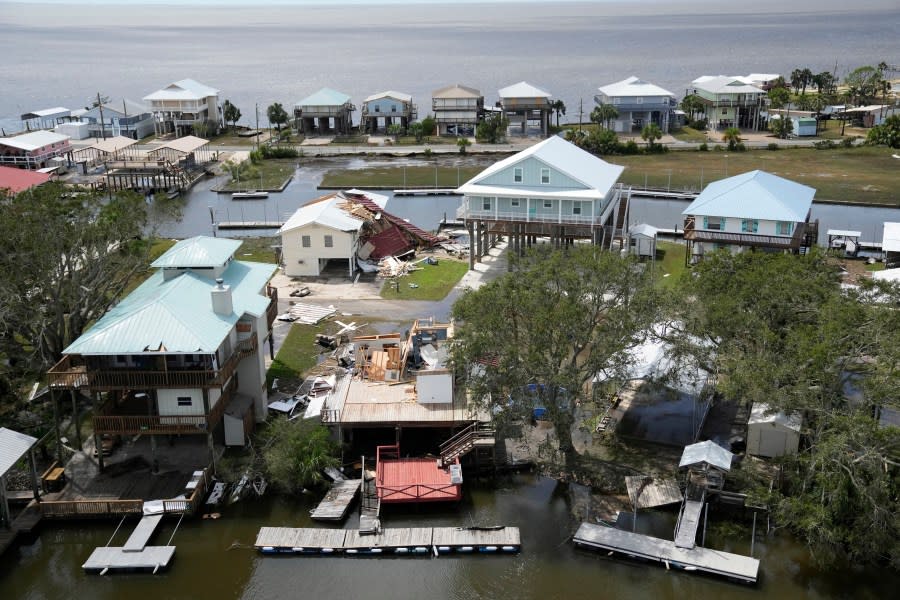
(337, 501)
(427, 192)
(635, 545)
(249, 225)
(399, 541)
(135, 555)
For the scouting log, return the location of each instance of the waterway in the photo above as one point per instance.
(203, 206)
(214, 559)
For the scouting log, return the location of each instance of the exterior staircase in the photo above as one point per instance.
(475, 435)
(620, 232)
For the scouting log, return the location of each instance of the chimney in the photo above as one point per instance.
(221, 298)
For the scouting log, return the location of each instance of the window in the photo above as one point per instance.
(514, 203)
(185, 401)
(749, 225)
(393, 108)
(120, 358)
(713, 223)
(639, 100)
(545, 175)
(517, 175)
(576, 208)
(377, 108)
(306, 241)
(486, 204)
(548, 203)
(785, 228)
(616, 100)
(329, 241)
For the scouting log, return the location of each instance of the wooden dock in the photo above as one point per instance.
(399, 541)
(635, 545)
(336, 503)
(249, 225)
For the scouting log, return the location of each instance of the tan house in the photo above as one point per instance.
(181, 105)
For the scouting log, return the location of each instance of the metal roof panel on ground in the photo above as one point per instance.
(633, 86)
(523, 89)
(596, 174)
(198, 252)
(176, 316)
(33, 140)
(324, 97)
(13, 446)
(706, 452)
(311, 313)
(754, 195)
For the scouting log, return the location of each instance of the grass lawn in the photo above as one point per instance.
(273, 174)
(258, 249)
(409, 140)
(689, 134)
(860, 175)
(669, 261)
(297, 355)
(434, 281)
(400, 177)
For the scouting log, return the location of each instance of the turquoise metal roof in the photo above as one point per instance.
(754, 195)
(200, 251)
(176, 316)
(325, 97)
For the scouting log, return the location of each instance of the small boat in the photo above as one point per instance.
(240, 489)
(259, 485)
(249, 195)
(173, 193)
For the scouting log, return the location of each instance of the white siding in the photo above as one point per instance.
(304, 262)
(167, 402)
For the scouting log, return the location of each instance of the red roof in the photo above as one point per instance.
(424, 238)
(19, 180)
(390, 242)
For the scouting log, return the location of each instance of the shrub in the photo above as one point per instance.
(427, 153)
(631, 147)
(824, 145)
(718, 148)
(704, 147)
(277, 152)
(848, 142)
(773, 146)
(740, 147)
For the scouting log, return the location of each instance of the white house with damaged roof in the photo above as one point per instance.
(751, 210)
(553, 190)
(180, 351)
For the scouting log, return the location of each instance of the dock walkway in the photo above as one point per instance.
(135, 555)
(337, 501)
(142, 533)
(686, 534)
(397, 541)
(635, 545)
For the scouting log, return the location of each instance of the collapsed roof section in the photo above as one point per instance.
(384, 234)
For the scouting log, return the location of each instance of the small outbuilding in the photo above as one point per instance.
(642, 240)
(772, 434)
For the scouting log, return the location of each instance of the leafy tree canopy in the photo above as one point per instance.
(296, 452)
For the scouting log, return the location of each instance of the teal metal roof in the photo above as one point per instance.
(196, 252)
(325, 97)
(176, 316)
(754, 195)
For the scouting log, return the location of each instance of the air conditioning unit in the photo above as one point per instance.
(301, 262)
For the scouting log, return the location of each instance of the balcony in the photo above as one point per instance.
(71, 372)
(161, 424)
(464, 212)
(272, 309)
(793, 242)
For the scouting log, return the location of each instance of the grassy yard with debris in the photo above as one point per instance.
(669, 263)
(432, 282)
(297, 355)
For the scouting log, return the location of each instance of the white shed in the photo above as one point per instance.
(238, 420)
(772, 434)
(642, 240)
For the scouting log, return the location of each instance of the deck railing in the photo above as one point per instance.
(66, 374)
(73, 509)
(161, 424)
(465, 212)
(743, 239)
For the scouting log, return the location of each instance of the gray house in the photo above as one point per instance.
(124, 118)
(639, 103)
(553, 190)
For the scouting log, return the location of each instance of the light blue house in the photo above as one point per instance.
(380, 111)
(182, 353)
(751, 210)
(125, 118)
(638, 103)
(553, 190)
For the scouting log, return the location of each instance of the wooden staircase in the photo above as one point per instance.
(620, 233)
(369, 504)
(475, 435)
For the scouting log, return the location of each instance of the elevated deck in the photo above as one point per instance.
(400, 541)
(337, 501)
(635, 545)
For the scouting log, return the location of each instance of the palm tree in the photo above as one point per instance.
(604, 113)
(651, 133)
(806, 77)
(732, 135)
(692, 105)
(559, 107)
(796, 79)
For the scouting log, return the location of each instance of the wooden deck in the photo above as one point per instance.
(714, 562)
(337, 501)
(399, 541)
(151, 558)
(650, 492)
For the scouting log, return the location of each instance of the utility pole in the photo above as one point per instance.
(580, 112)
(98, 103)
(257, 125)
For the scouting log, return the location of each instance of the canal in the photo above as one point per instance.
(214, 559)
